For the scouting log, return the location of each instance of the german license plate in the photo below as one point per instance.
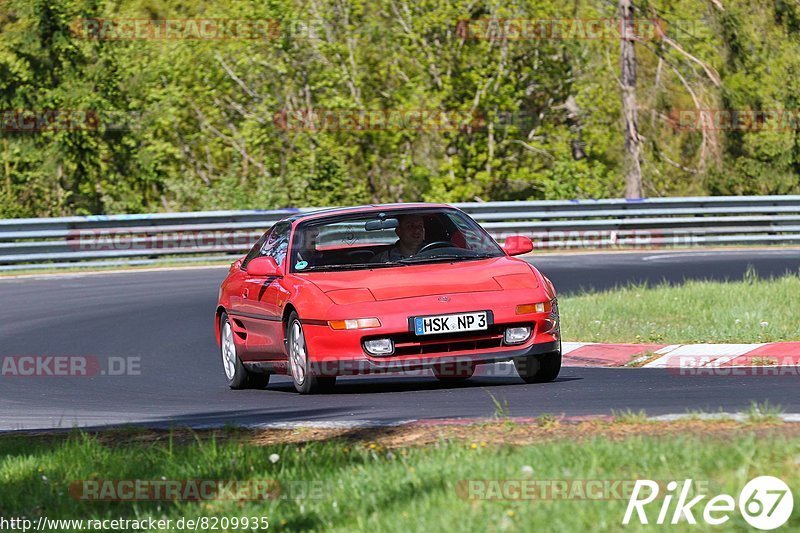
(430, 325)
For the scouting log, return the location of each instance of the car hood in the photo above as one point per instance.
(411, 281)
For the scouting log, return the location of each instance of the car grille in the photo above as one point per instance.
(410, 344)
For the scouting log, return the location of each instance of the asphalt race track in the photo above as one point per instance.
(163, 322)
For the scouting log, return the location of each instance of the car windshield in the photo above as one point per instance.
(389, 239)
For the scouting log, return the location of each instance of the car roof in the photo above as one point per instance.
(371, 208)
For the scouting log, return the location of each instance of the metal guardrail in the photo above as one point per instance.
(567, 224)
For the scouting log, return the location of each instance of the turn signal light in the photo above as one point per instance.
(541, 307)
(356, 323)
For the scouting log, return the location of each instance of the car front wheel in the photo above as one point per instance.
(539, 368)
(305, 381)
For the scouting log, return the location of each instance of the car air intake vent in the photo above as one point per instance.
(412, 345)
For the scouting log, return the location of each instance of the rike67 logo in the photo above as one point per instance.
(765, 503)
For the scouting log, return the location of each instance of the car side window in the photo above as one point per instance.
(255, 251)
(274, 243)
(277, 242)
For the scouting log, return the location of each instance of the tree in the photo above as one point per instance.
(630, 115)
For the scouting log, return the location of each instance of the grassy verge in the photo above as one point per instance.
(753, 310)
(367, 485)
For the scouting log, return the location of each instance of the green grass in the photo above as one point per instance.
(753, 310)
(501, 409)
(761, 413)
(627, 416)
(367, 488)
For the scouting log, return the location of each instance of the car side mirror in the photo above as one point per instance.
(518, 245)
(263, 267)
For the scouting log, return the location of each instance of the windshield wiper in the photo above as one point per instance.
(349, 266)
(448, 257)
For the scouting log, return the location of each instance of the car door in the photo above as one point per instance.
(258, 308)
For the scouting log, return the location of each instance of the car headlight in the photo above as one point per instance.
(379, 346)
(517, 335)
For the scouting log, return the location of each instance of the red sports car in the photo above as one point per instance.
(384, 288)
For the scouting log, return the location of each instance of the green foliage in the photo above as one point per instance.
(197, 124)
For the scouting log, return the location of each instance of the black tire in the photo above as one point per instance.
(453, 373)
(539, 368)
(326, 384)
(304, 379)
(237, 376)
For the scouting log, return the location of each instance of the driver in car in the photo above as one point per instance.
(411, 233)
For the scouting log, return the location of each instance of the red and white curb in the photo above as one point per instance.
(590, 354)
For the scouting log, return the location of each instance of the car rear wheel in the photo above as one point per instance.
(539, 368)
(453, 372)
(237, 376)
(305, 382)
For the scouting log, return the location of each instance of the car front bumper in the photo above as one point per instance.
(341, 352)
(364, 365)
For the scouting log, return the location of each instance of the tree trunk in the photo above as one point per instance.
(575, 127)
(7, 159)
(632, 162)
